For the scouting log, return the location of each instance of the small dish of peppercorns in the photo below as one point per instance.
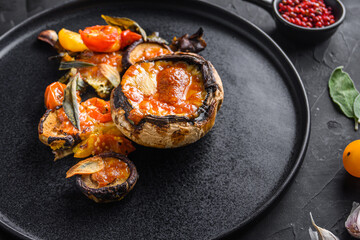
(307, 21)
(309, 14)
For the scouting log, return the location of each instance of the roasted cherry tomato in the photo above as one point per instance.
(98, 109)
(71, 41)
(101, 38)
(54, 95)
(128, 37)
(351, 158)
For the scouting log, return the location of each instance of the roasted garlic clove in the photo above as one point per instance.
(320, 233)
(49, 36)
(87, 166)
(352, 223)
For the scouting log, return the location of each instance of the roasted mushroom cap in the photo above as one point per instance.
(141, 50)
(51, 136)
(115, 190)
(95, 137)
(172, 130)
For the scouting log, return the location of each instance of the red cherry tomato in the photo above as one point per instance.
(101, 38)
(128, 37)
(54, 95)
(98, 109)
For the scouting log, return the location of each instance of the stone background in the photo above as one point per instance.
(321, 186)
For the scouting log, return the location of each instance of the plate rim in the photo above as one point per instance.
(222, 11)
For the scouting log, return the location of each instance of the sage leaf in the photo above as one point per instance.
(343, 91)
(156, 38)
(65, 79)
(124, 24)
(74, 64)
(110, 73)
(323, 233)
(81, 84)
(70, 103)
(357, 111)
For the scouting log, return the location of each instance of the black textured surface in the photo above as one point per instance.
(197, 192)
(322, 186)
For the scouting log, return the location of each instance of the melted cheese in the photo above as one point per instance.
(163, 88)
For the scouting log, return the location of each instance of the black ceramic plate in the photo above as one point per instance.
(202, 191)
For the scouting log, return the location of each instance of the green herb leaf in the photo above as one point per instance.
(155, 37)
(74, 64)
(357, 111)
(65, 79)
(110, 73)
(81, 84)
(124, 24)
(343, 91)
(70, 103)
(357, 107)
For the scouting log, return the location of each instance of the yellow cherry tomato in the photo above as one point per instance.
(351, 158)
(71, 41)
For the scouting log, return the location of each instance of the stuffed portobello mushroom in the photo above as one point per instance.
(106, 177)
(168, 101)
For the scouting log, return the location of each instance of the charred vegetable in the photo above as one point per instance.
(171, 101)
(49, 36)
(104, 75)
(141, 50)
(125, 24)
(106, 177)
(71, 41)
(194, 43)
(75, 54)
(98, 133)
(50, 135)
(101, 38)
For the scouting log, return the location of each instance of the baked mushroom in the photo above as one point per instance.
(141, 50)
(106, 177)
(50, 135)
(168, 101)
(98, 133)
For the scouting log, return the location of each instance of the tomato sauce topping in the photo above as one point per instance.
(113, 59)
(146, 51)
(92, 111)
(114, 169)
(163, 88)
(86, 123)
